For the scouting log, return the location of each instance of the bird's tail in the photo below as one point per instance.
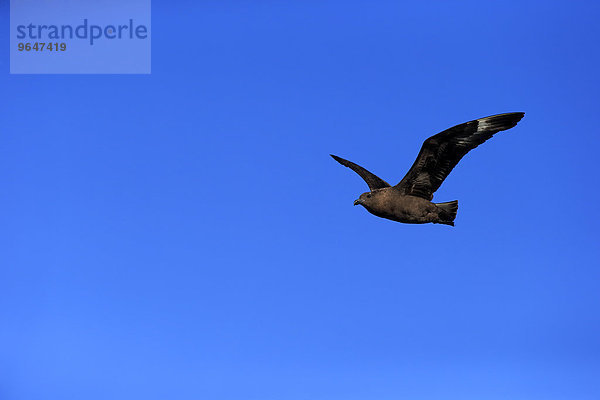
(447, 212)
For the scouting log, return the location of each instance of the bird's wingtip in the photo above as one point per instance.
(517, 116)
(499, 122)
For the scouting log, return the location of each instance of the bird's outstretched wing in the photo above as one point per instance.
(372, 180)
(440, 153)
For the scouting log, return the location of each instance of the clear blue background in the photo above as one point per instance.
(185, 235)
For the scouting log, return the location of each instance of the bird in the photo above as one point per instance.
(410, 201)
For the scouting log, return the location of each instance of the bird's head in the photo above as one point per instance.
(366, 199)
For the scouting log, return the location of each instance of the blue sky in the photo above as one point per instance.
(186, 235)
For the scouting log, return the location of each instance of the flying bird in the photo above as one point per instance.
(410, 200)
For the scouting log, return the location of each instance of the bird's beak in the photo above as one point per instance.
(357, 202)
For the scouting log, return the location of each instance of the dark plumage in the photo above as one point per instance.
(410, 200)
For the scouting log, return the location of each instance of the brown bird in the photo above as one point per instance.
(410, 200)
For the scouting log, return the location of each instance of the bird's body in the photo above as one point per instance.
(390, 203)
(410, 200)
